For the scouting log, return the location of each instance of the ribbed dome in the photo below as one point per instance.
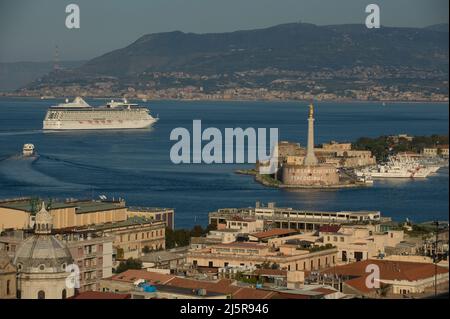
(42, 254)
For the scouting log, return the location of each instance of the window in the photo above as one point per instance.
(64, 294)
(41, 294)
(8, 287)
(41, 267)
(210, 264)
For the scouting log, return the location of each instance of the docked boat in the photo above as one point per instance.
(79, 115)
(397, 167)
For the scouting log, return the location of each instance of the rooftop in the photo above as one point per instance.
(389, 269)
(100, 295)
(81, 206)
(222, 286)
(242, 245)
(276, 232)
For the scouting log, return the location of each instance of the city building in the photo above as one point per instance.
(290, 218)
(7, 277)
(245, 254)
(166, 259)
(132, 236)
(359, 242)
(440, 150)
(93, 254)
(19, 213)
(395, 278)
(133, 231)
(166, 215)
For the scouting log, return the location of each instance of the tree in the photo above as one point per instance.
(197, 231)
(146, 250)
(130, 263)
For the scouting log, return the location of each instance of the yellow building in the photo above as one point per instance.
(19, 214)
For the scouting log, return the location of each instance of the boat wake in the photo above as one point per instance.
(21, 133)
(21, 170)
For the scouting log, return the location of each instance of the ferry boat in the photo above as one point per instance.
(28, 150)
(79, 115)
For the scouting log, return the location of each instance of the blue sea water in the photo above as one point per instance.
(135, 165)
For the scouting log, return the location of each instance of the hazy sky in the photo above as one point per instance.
(30, 29)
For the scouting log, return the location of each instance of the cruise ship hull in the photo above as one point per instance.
(97, 124)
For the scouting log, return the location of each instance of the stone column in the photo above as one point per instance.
(310, 158)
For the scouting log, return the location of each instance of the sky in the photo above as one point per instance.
(30, 29)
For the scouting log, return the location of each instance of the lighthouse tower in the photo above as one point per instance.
(310, 158)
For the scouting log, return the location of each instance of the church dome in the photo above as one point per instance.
(42, 252)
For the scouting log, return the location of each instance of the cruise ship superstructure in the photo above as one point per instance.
(78, 115)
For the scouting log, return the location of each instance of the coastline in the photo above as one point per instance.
(273, 183)
(28, 97)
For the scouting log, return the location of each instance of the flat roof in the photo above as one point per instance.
(81, 207)
(128, 222)
(242, 245)
(25, 205)
(273, 233)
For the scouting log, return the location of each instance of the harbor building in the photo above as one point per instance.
(290, 218)
(310, 173)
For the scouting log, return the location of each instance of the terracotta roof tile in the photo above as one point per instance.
(132, 275)
(100, 295)
(389, 269)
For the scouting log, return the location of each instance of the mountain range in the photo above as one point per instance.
(295, 46)
(292, 47)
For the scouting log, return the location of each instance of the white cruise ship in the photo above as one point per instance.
(78, 115)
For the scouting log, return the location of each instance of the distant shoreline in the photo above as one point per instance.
(232, 100)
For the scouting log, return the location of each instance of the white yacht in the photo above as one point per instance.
(78, 115)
